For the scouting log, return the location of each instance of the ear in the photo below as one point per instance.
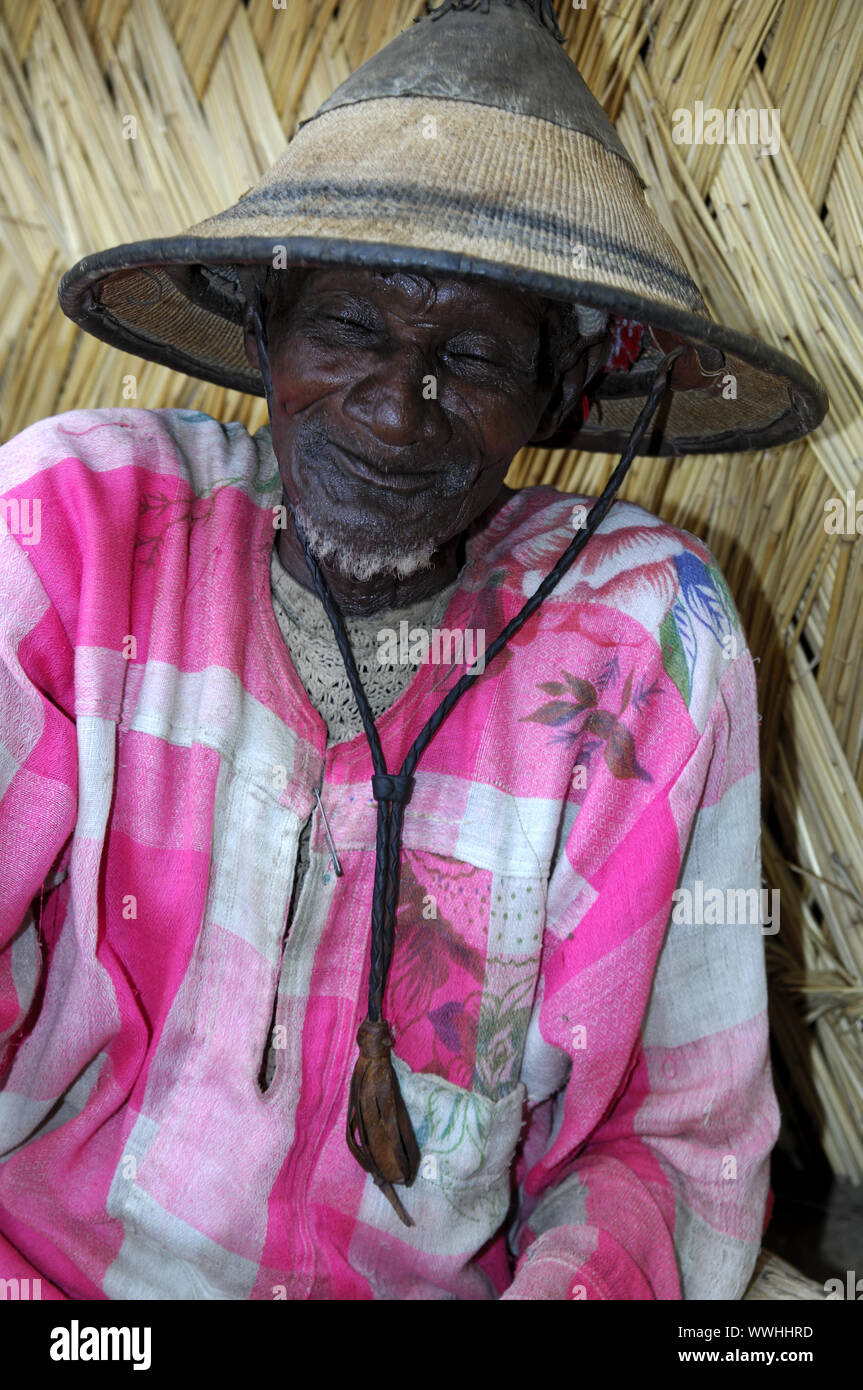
(568, 390)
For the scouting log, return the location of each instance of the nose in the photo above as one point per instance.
(395, 399)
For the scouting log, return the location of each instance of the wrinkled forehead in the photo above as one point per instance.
(440, 296)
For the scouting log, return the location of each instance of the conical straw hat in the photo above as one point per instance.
(468, 145)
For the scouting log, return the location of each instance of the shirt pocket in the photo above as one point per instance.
(467, 1143)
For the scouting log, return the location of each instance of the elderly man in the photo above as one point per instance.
(386, 475)
(563, 1087)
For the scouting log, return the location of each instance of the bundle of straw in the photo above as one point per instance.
(775, 1279)
(120, 121)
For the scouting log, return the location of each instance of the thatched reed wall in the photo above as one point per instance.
(775, 241)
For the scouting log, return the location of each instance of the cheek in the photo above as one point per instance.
(302, 375)
(503, 416)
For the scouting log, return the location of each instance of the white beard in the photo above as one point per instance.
(357, 562)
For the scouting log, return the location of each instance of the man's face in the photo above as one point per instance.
(398, 405)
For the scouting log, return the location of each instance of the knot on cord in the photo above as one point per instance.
(388, 786)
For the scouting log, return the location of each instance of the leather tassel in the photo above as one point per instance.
(380, 1134)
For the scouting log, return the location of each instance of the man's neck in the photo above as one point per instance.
(362, 598)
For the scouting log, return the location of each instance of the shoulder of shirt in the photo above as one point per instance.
(186, 444)
(659, 575)
(533, 526)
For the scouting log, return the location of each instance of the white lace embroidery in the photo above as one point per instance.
(311, 641)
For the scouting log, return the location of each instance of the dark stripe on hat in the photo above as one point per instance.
(544, 230)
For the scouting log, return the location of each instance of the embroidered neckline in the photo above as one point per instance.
(314, 651)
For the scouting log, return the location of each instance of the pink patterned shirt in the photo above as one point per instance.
(587, 1076)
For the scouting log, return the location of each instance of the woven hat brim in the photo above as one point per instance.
(541, 208)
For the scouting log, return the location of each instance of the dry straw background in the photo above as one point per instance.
(775, 242)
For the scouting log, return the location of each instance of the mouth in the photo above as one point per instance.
(406, 484)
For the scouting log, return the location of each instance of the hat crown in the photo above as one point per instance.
(501, 55)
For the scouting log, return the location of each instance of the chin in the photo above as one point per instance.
(354, 558)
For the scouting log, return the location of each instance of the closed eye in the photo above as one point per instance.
(474, 357)
(349, 322)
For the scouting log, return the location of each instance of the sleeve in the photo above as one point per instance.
(38, 756)
(21, 1280)
(661, 1192)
